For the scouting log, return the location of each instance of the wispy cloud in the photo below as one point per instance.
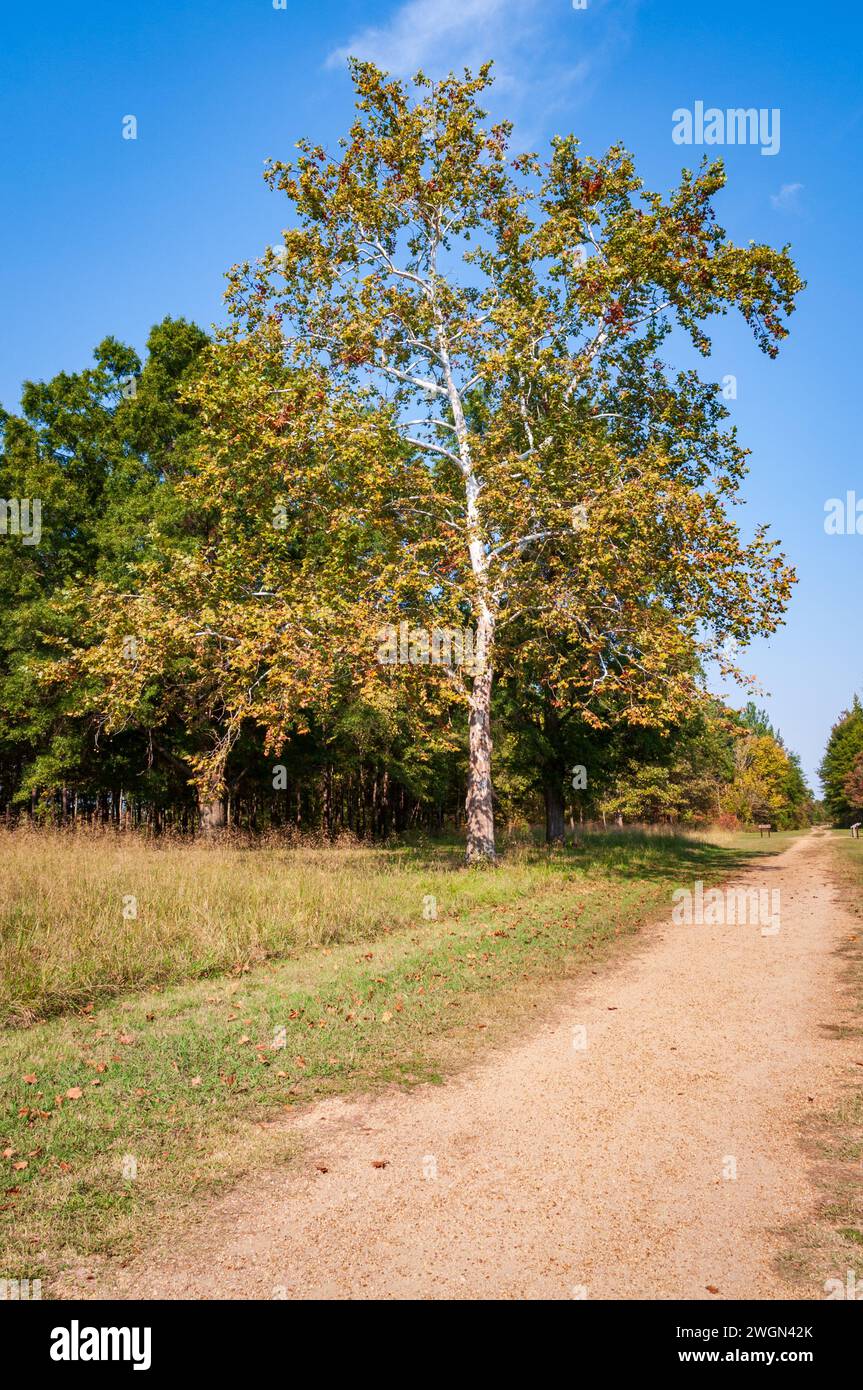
(433, 33)
(547, 58)
(788, 197)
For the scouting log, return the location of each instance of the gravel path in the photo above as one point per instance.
(557, 1171)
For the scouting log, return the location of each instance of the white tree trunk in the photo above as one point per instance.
(479, 806)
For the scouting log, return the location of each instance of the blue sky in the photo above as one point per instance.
(105, 235)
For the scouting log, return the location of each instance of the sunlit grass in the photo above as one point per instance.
(85, 918)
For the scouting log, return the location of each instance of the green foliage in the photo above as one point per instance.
(840, 768)
(100, 449)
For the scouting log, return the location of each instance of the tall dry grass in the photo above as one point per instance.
(84, 917)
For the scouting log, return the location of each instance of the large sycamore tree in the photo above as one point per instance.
(559, 486)
(451, 367)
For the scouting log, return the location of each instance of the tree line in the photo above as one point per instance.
(439, 421)
(841, 770)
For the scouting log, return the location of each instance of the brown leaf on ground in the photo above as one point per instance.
(74, 1093)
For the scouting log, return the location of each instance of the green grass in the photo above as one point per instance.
(187, 1079)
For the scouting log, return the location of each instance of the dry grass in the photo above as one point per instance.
(84, 918)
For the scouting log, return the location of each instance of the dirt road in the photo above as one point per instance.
(660, 1160)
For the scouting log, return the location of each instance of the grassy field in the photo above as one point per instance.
(150, 1058)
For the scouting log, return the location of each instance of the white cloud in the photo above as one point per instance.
(426, 33)
(788, 197)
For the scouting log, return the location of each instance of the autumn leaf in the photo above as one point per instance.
(74, 1093)
(30, 1078)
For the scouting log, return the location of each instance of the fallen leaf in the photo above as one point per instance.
(386, 1016)
(195, 1081)
(322, 1167)
(30, 1078)
(241, 1042)
(380, 1162)
(20, 1165)
(126, 1039)
(74, 1093)
(711, 1288)
(7, 1153)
